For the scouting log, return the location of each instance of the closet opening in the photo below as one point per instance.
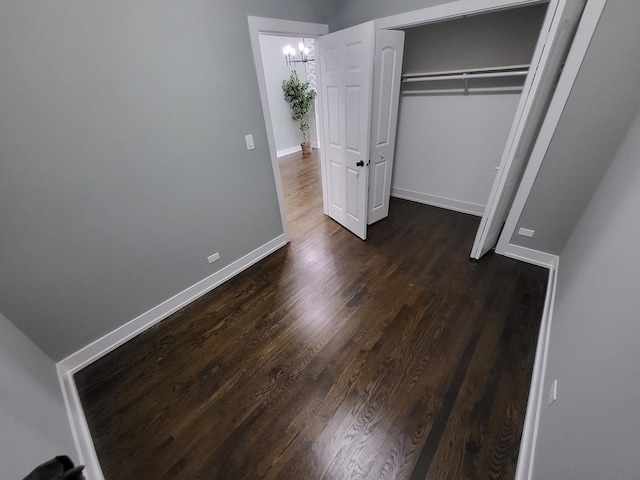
(462, 81)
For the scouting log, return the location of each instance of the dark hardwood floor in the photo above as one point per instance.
(394, 358)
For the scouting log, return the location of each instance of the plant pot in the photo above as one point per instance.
(306, 148)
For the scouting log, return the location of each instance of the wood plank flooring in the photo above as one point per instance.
(333, 358)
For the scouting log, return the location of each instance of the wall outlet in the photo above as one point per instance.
(249, 140)
(214, 257)
(553, 392)
(525, 232)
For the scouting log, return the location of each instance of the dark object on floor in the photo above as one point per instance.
(59, 468)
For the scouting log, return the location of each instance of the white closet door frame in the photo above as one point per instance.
(584, 34)
(456, 10)
(560, 24)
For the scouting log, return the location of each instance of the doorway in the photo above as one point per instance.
(522, 127)
(286, 131)
(283, 28)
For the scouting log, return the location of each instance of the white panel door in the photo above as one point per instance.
(346, 60)
(554, 43)
(387, 76)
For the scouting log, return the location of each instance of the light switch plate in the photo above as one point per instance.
(249, 140)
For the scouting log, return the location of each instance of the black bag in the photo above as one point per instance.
(59, 468)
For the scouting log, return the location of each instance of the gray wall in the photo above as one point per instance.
(602, 103)
(592, 431)
(353, 12)
(506, 37)
(33, 419)
(285, 130)
(122, 156)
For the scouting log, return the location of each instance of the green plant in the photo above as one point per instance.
(301, 98)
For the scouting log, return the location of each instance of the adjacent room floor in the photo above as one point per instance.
(394, 358)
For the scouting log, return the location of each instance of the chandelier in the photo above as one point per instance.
(290, 54)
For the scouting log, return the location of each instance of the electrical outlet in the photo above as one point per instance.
(249, 140)
(553, 392)
(525, 232)
(214, 257)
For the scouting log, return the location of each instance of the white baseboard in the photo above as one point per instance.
(87, 455)
(288, 151)
(524, 470)
(529, 255)
(315, 144)
(76, 361)
(436, 201)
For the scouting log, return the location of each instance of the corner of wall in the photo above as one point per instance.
(524, 470)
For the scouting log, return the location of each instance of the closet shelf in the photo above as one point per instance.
(493, 72)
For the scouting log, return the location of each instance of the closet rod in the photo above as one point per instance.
(462, 90)
(464, 76)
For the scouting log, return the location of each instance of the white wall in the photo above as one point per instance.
(448, 145)
(592, 432)
(286, 131)
(33, 419)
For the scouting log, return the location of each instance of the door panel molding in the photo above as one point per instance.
(389, 50)
(346, 69)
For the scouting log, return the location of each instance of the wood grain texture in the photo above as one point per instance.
(394, 358)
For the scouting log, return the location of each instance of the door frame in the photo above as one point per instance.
(586, 29)
(438, 13)
(284, 28)
(281, 27)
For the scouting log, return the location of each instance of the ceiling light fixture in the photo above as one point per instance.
(290, 54)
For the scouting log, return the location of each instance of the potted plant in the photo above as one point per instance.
(301, 99)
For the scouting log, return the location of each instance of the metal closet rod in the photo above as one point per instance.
(427, 77)
(462, 90)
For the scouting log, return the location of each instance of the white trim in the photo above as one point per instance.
(493, 217)
(126, 332)
(437, 201)
(288, 151)
(529, 255)
(447, 11)
(87, 455)
(524, 469)
(92, 352)
(315, 144)
(274, 26)
(320, 131)
(582, 40)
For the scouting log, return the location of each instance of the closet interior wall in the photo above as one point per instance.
(449, 141)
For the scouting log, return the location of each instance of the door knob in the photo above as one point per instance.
(360, 163)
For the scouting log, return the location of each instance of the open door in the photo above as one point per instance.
(346, 61)
(557, 33)
(387, 76)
